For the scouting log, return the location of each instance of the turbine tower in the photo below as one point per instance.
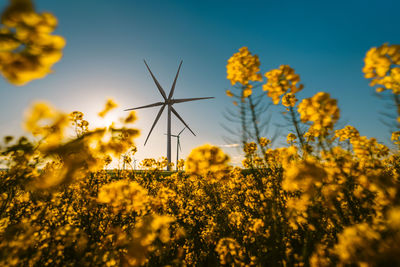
(178, 146)
(168, 101)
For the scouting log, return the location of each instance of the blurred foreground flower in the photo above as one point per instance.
(322, 111)
(28, 50)
(110, 104)
(68, 159)
(124, 196)
(208, 161)
(382, 66)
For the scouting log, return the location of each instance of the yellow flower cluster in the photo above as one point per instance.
(366, 148)
(45, 122)
(229, 93)
(207, 160)
(124, 196)
(348, 132)
(321, 110)
(229, 252)
(250, 148)
(281, 156)
(396, 137)
(180, 164)
(371, 244)
(152, 164)
(289, 100)
(81, 125)
(356, 240)
(28, 50)
(382, 65)
(131, 117)
(326, 207)
(147, 230)
(304, 176)
(264, 142)
(140, 218)
(110, 105)
(279, 82)
(242, 68)
(291, 138)
(71, 159)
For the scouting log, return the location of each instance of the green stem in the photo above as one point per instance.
(254, 120)
(243, 121)
(296, 126)
(397, 101)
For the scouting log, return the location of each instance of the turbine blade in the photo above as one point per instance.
(189, 99)
(179, 145)
(147, 106)
(156, 82)
(179, 117)
(155, 122)
(181, 131)
(173, 85)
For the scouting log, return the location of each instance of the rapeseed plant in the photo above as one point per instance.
(331, 197)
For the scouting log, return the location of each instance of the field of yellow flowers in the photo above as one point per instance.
(331, 197)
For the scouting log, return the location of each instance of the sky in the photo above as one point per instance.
(107, 41)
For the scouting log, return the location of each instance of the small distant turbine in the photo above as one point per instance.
(178, 146)
(168, 101)
(134, 164)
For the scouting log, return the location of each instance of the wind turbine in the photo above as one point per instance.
(178, 146)
(168, 101)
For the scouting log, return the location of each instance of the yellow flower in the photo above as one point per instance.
(304, 176)
(394, 218)
(289, 100)
(280, 81)
(291, 137)
(250, 148)
(27, 48)
(124, 195)
(131, 117)
(365, 148)
(382, 67)
(347, 132)
(321, 110)
(81, 125)
(229, 252)
(44, 121)
(264, 141)
(229, 93)
(110, 104)
(180, 164)
(247, 91)
(147, 230)
(395, 137)
(356, 242)
(243, 67)
(207, 160)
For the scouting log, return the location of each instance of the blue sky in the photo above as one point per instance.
(325, 42)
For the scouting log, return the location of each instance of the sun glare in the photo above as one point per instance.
(99, 122)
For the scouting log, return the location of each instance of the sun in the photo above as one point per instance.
(105, 122)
